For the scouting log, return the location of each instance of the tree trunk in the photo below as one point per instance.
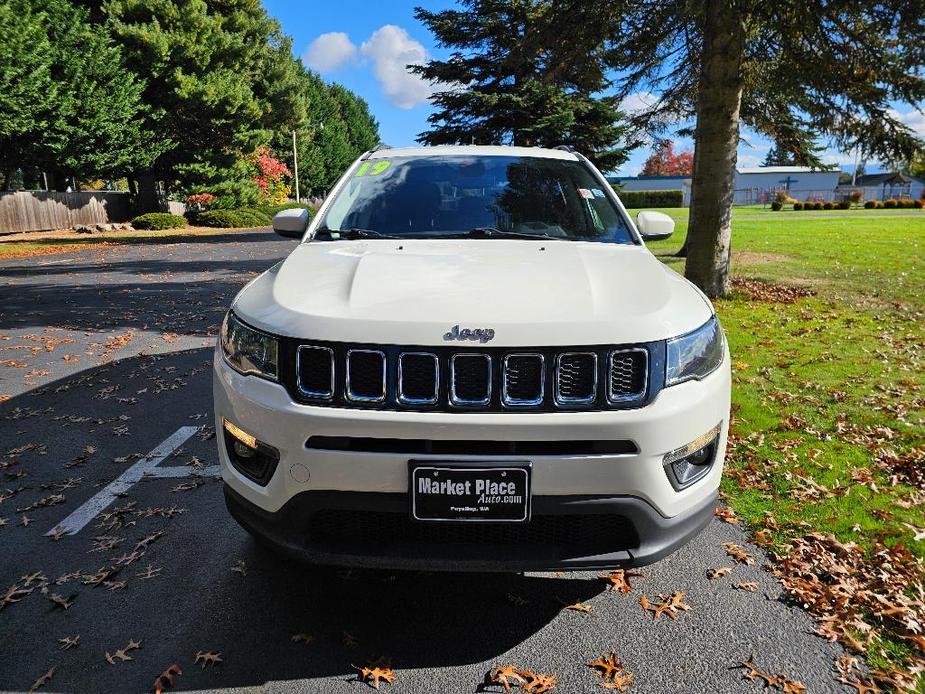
(147, 200)
(716, 138)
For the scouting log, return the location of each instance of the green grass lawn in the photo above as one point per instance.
(829, 391)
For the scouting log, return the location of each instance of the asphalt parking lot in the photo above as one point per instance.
(105, 374)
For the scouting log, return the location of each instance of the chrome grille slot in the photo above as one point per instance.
(576, 378)
(470, 379)
(628, 374)
(418, 378)
(315, 371)
(365, 375)
(523, 380)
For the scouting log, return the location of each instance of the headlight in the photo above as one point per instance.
(696, 354)
(247, 350)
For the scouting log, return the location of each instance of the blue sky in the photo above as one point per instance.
(365, 45)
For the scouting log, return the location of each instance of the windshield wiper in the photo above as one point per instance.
(356, 233)
(491, 232)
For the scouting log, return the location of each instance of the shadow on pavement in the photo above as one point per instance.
(197, 602)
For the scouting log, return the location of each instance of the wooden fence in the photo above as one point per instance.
(38, 210)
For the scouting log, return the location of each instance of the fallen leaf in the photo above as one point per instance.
(778, 681)
(69, 642)
(670, 605)
(750, 586)
(150, 572)
(614, 674)
(43, 680)
(63, 603)
(209, 658)
(165, 679)
(579, 607)
(504, 676)
(122, 653)
(303, 638)
(725, 513)
(538, 682)
(719, 572)
(240, 567)
(619, 580)
(374, 672)
(738, 553)
(13, 594)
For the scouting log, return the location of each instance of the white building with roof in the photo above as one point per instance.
(753, 185)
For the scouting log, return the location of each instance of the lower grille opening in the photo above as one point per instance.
(565, 534)
(448, 447)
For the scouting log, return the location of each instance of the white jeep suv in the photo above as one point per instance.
(471, 361)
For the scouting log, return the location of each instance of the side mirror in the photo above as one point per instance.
(654, 226)
(291, 223)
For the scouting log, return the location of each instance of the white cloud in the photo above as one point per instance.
(391, 50)
(638, 101)
(330, 51)
(912, 118)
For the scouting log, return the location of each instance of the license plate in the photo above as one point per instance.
(470, 492)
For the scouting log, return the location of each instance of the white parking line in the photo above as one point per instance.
(185, 471)
(103, 498)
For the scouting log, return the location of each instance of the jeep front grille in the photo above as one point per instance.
(475, 379)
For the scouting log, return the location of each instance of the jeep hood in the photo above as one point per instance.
(531, 293)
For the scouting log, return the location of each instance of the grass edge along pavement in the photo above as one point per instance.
(826, 460)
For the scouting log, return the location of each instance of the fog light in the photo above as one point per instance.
(687, 464)
(239, 434)
(252, 458)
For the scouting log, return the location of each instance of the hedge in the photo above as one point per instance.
(634, 199)
(243, 217)
(159, 220)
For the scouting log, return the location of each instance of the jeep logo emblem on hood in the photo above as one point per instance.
(482, 335)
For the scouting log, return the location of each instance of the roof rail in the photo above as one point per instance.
(378, 147)
(565, 148)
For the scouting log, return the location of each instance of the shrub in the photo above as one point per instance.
(782, 197)
(828, 206)
(855, 196)
(227, 219)
(777, 205)
(635, 199)
(890, 204)
(919, 204)
(879, 205)
(870, 204)
(797, 206)
(906, 203)
(159, 220)
(844, 205)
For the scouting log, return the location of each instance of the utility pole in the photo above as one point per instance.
(295, 166)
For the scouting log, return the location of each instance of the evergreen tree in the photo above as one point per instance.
(67, 103)
(220, 82)
(789, 70)
(515, 77)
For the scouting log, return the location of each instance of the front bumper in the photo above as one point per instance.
(370, 530)
(625, 495)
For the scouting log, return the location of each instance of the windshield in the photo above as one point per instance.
(485, 196)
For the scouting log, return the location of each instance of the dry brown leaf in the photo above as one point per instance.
(579, 607)
(619, 580)
(63, 603)
(504, 676)
(725, 513)
(738, 553)
(13, 594)
(151, 572)
(375, 672)
(303, 638)
(349, 641)
(537, 682)
(240, 567)
(43, 680)
(122, 653)
(779, 681)
(69, 642)
(750, 586)
(614, 674)
(669, 605)
(165, 679)
(719, 572)
(208, 658)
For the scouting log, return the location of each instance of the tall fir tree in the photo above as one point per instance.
(514, 77)
(786, 69)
